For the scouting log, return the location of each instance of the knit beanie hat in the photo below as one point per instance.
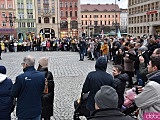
(3, 70)
(106, 97)
(43, 62)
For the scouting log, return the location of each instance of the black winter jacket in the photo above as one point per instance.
(47, 99)
(119, 85)
(95, 80)
(109, 114)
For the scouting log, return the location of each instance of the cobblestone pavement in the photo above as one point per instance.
(69, 75)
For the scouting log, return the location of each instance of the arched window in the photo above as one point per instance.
(46, 20)
(64, 24)
(74, 25)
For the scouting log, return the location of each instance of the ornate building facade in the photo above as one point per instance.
(70, 25)
(47, 20)
(7, 24)
(144, 17)
(96, 18)
(25, 19)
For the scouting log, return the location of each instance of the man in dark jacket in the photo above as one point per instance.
(95, 80)
(82, 46)
(28, 89)
(106, 101)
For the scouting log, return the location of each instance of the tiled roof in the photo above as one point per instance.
(99, 7)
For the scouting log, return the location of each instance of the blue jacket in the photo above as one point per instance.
(6, 101)
(95, 80)
(28, 89)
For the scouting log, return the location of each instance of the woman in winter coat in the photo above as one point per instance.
(6, 101)
(48, 95)
(120, 79)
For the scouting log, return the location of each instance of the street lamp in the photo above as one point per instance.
(11, 20)
(115, 21)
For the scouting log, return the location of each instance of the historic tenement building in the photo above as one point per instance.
(98, 18)
(143, 17)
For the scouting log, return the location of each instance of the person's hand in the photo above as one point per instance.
(141, 59)
(140, 89)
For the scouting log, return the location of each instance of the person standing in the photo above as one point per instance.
(0, 50)
(148, 101)
(48, 94)
(95, 80)
(6, 101)
(120, 79)
(105, 49)
(28, 89)
(81, 46)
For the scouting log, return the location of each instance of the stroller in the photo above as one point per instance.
(80, 107)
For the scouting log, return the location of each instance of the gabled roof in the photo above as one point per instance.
(99, 7)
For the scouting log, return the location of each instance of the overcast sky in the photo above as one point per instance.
(121, 3)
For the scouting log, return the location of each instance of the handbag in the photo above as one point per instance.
(46, 86)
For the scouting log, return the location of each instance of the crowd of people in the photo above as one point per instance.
(34, 89)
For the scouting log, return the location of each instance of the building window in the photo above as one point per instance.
(82, 16)
(61, 4)
(66, 13)
(61, 13)
(28, 24)
(46, 10)
(23, 24)
(19, 24)
(85, 16)
(53, 19)
(90, 16)
(10, 6)
(2, 6)
(38, 1)
(70, 13)
(3, 14)
(82, 22)
(3, 23)
(32, 24)
(46, 1)
(101, 16)
(75, 4)
(52, 1)
(53, 10)
(39, 19)
(70, 4)
(100, 22)
(105, 22)
(112, 16)
(109, 16)
(109, 22)
(46, 20)
(90, 22)
(66, 4)
(105, 16)
(95, 23)
(39, 10)
(75, 13)
(86, 22)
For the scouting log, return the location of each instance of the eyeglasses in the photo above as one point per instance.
(23, 63)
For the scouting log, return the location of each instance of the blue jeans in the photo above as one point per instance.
(36, 118)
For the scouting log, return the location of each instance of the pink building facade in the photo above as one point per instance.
(7, 20)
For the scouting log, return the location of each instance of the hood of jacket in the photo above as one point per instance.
(2, 77)
(123, 77)
(154, 76)
(101, 64)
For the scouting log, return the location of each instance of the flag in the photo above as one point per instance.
(21, 38)
(41, 36)
(119, 33)
(102, 34)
